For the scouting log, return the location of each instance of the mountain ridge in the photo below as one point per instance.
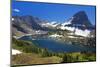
(30, 24)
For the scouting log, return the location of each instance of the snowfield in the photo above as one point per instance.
(55, 35)
(51, 24)
(14, 52)
(67, 28)
(80, 32)
(72, 37)
(84, 33)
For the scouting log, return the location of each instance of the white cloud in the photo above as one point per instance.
(16, 10)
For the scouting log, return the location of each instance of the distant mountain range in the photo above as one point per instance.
(27, 25)
(78, 23)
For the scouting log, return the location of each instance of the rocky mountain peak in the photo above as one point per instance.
(81, 18)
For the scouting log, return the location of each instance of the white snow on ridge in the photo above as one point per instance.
(14, 52)
(80, 32)
(72, 37)
(67, 28)
(68, 22)
(55, 35)
(84, 33)
(54, 23)
(45, 24)
(51, 24)
(64, 27)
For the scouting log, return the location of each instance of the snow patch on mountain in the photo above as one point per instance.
(46, 25)
(55, 35)
(14, 52)
(75, 30)
(51, 24)
(80, 32)
(68, 22)
(84, 33)
(67, 28)
(54, 23)
(72, 37)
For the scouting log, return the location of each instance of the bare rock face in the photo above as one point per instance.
(80, 20)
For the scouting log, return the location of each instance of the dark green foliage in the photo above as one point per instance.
(26, 46)
(89, 56)
(14, 66)
(77, 57)
(31, 47)
(70, 57)
(45, 53)
(66, 58)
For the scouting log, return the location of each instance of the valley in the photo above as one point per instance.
(35, 39)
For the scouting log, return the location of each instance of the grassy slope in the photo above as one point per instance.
(29, 58)
(33, 54)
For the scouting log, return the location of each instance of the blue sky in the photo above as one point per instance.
(51, 12)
